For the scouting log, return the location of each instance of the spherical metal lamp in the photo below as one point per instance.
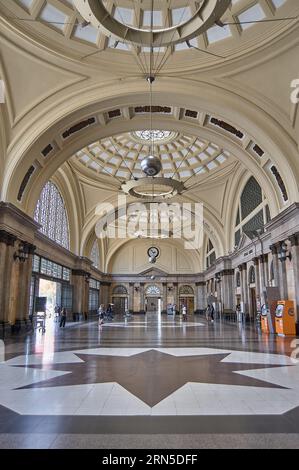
(151, 165)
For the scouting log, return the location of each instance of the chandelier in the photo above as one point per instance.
(208, 13)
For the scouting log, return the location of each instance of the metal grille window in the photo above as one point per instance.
(95, 254)
(93, 301)
(253, 211)
(251, 197)
(210, 254)
(153, 290)
(36, 264)
(51, 213)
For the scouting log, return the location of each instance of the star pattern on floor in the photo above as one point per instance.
(152, 375)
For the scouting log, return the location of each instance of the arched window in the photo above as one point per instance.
(186, 290)
(253, 211)
(251, 275)
(152, 290)
(210, 254)
(95, 254)
(50, 213)
(238, 279)
(120, 290)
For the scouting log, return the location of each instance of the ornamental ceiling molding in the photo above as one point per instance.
(106, 127)
(76, 49)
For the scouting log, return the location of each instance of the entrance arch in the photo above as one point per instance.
(120, 299)
(153, 299)
(186, 297)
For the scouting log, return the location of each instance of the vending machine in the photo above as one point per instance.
(266, 324)
(285, 318)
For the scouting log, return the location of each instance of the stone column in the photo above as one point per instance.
(294, 239)
(275, 250)
(7, 249)
(227, 290)
(142, 298)
(244, 287)
(282, 279)
(201, 295)
(105, 293)
(25, 273)
(263, 259)
(175, 295)
(131, 297)
(258, 288)
(164, 287)
(81, 290)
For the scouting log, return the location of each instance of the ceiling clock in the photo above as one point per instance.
(153, 252)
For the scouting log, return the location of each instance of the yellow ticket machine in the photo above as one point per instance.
(265, 324)
(285, 318)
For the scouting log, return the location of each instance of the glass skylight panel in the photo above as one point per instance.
(211, 165)
(52, 15)
(255, 13)
(88, 33)
(157, 18)
(124, 15)
(185, 173)
(180, 15)
(221, 158)
(278, 3)
(84, 159)
(217, 33)
(26, 3)
(94, 166)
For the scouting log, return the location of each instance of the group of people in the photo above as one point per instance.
(210, 311)
(60, 315)
(105, 314)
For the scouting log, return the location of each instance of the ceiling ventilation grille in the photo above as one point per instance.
(78, 127)
(25, 181)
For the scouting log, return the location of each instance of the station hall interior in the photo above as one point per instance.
(149, 224)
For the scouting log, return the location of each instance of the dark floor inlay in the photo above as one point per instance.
(152, 375)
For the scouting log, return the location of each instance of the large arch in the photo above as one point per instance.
(208, 98)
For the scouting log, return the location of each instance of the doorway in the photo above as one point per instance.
(120, 305)
(52, 291)
(189, 302)
(253, 306)
(153, 305)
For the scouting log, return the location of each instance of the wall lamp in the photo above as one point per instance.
(282, 254)
(22, 254)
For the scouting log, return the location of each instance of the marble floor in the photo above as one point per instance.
(149, 382)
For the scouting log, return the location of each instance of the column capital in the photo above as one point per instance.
(294, 239)
(256, 261)
(242, 267)
(275, 248)
(227, 272)
(80, 272)
(264, 258)
(7, 238)
(29, 248)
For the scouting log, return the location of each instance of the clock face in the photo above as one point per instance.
(153, 252)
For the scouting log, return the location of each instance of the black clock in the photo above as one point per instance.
(153, 252)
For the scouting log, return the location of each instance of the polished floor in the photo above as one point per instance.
(152, 382)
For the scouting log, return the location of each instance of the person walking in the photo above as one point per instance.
(62, 318)
(184, 312)
(212, 312)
